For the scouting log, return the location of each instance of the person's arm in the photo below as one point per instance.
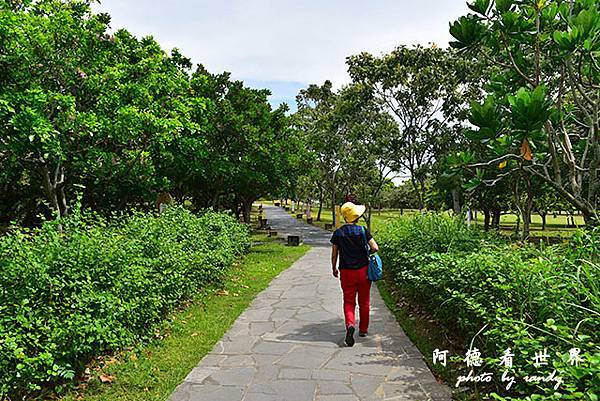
(373, 245)
(334, 259)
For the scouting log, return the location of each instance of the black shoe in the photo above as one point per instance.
(361, 334)
(350, 336)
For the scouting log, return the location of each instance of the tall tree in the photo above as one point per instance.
(325, 130)
(542, 115)
(420, 87)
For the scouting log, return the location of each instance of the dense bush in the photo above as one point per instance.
(98, 286)
(526, 298)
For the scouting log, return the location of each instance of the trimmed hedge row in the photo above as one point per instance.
(529, 298)
(99, 286)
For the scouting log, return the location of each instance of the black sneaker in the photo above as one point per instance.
(363, 334)
(350, 336)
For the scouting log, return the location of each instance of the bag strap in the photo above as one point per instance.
(367, 247)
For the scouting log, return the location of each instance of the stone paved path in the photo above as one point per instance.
(288, 345)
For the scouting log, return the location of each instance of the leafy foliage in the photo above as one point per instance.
(526, 298)
(542, 110)
(101, 285)
(116, 117)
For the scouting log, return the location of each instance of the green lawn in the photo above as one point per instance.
(378, 219)
(556, 226)
(153, 372)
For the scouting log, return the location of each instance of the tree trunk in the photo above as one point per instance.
(333, 200)
(543, 215)
(369, 217)
(487, 214)
(496, 214)
(247, 210)
(527, 210)
(456, 201)
(418, 191)
(53, 190)
(320, 203)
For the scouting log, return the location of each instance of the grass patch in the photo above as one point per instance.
(378, 219)
(154, 370)
(559, 226)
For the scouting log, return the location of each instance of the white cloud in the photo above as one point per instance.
(283, 40)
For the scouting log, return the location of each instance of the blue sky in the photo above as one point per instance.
(285, 45)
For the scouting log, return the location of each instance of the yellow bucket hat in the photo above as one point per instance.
(352, 212)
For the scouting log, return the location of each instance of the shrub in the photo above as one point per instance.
(99, 286)
(526, 298)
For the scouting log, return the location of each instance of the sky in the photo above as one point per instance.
(285, 45)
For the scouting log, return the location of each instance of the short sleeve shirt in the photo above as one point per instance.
(351, 244)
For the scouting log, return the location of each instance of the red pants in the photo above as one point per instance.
(356, 282)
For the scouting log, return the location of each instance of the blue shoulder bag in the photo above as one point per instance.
(375, 270)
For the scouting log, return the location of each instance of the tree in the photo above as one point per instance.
(420, 87)
(82, 110)
(325, 130)
(119, 120)
(368, 167)
(542, 113)
(252, 148)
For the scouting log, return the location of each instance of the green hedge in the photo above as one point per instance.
(99, 286)
(528, 297)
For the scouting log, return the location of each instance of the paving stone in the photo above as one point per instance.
(260, 328)
(295, 390)
(307, 357)
(263, 397)
(199, 374)
(288, 345)
(337, 397)
(365, 385)
(410, 391)
(256, 315)
(335, 375)
(272, 348)
(292, 373)
(233, 376)
(283, 314)
(237, 345)
(238, 360)
(334, 388)
(195, 392)
(212, 360)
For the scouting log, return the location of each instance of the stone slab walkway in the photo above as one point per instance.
(288, 345)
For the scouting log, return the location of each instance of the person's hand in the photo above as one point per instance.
(336, 272)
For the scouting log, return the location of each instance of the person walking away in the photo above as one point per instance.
(349, 247)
